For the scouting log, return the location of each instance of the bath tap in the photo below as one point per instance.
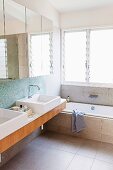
(93, 95)
(32, 85)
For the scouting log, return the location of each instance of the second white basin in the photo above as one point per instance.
(40, 103)
(10, 121)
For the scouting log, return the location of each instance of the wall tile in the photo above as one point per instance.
(107, 138)
(81, 94)
(12, 90)
(93, 123)
(107, 127)
(96, 128)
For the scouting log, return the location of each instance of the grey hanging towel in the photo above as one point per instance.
(78, 122)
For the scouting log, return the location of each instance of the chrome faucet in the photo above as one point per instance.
(32, 85)
(93, 96)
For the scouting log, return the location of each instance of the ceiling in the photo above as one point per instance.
(75, 5)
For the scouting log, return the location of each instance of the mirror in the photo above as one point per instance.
(14, 18)
(1, 18)
(15, 35)
(25, 42)
(2, 42)
(34, 52)
(14, 41)
(39, 29)
(47, 49)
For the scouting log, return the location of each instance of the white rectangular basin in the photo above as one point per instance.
(10, 121)
(40, 103)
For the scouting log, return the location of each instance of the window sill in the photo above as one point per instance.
(105, 85)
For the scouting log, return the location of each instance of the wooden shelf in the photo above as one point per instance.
(21, 133)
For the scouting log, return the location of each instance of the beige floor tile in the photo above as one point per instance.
(89, 148)
(60, 142)
(52, 151)
(54, 159)
(64, 137)
(33, 158)
(80, 163)
(66, 143)
(105, 153)
(100, 165)
(68, 147)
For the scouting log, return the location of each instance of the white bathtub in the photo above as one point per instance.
(90, 109)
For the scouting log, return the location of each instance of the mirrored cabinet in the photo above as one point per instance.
(2, 43)
(15, 35)
(25, 42)
(1, 18)
(39, 31)
(13, 38)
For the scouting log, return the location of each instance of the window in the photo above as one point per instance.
(40, 50)
(3, 59)
(88, 56)
(75, 49)
(101, 56)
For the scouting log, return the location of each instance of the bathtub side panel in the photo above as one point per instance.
(62, 124)
(97, 128)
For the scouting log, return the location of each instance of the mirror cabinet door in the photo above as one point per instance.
(1, 19)
(14, 40)
(34, 41)
(39, 29)
(15, 35)
(3, 62)
(47, 44)
(25, 42)
(14, 18)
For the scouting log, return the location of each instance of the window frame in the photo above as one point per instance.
(50, 56)
(6, 64)
(87, 83)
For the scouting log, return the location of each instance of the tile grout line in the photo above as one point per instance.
(70, 161)
(104, 161)
(97, 152)
(75, 155)
(92, 163)
(58, 149)
(68, 151)
(64, 151)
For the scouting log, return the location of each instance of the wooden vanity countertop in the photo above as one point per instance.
(21, 133)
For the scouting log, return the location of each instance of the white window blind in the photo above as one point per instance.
(3, 59)
(75, 52)
(101, 56)
(41, 54)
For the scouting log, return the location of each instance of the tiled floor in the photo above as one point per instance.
(59, 152)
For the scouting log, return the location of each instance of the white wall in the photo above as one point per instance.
(88, 18)
(81, 94)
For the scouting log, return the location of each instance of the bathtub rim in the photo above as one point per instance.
(69, 112)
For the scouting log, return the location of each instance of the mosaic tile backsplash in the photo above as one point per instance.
(12, 90)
